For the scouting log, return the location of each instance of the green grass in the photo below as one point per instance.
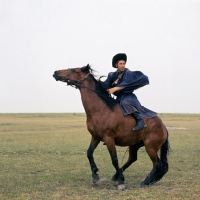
(43, 156)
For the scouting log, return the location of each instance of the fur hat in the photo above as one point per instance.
(117, 57)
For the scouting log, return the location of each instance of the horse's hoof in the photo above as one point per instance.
(121, 187)
(95, 179)
(114, 178)
(143, 185)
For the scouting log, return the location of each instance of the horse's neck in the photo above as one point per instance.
(91, 101)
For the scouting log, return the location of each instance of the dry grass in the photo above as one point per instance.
(43, 156)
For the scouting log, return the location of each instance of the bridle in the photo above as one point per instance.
(78, 84)
(74, 83)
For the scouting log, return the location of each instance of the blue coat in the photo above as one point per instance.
(127, 99)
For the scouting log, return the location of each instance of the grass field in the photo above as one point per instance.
(43, 156)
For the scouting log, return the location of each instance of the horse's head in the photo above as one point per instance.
(76, 76)
(73, 76)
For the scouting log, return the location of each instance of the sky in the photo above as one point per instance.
(160, 37)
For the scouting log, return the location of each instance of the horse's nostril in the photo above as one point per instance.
(54, 75)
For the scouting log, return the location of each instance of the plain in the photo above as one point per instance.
(43, 156)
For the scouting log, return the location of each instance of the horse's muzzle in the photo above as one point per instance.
(57, 77)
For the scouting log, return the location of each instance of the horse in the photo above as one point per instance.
(106, 123)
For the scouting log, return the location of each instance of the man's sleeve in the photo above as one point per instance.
(134, 80)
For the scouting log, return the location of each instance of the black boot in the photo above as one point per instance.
(140, 123)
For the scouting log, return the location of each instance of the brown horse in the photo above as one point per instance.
(106, 123)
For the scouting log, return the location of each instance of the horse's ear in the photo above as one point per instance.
(86, 68)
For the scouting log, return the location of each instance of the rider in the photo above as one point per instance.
(122, 83)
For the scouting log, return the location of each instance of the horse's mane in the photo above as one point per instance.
(101, 88)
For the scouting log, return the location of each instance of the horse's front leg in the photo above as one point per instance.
(132, 158)
(93, 144)
(113, 153)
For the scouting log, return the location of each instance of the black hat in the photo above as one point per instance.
(117, 57)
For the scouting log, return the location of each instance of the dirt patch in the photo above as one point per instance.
(176, 128)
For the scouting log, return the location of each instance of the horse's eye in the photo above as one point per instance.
(72, 70)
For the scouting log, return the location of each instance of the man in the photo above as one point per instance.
(122, 83)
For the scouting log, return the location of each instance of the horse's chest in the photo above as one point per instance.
(94, 128)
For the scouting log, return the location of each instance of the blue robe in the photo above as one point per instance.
(127, 99)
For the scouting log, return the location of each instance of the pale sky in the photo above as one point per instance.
(161, 39)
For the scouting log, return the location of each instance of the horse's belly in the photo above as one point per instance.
(127, 140)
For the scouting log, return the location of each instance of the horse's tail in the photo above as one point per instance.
(164, 151)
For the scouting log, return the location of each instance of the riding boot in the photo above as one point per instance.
(140, 123)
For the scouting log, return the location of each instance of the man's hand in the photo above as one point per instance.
(112, 90)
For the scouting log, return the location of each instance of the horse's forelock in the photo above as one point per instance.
(87, 69)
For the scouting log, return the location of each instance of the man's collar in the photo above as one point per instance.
(119, 72)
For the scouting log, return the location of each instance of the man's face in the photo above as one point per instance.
(121, 65)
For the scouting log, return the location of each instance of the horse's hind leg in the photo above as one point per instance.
(93, 144)
(132, 158)
(159, 167)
